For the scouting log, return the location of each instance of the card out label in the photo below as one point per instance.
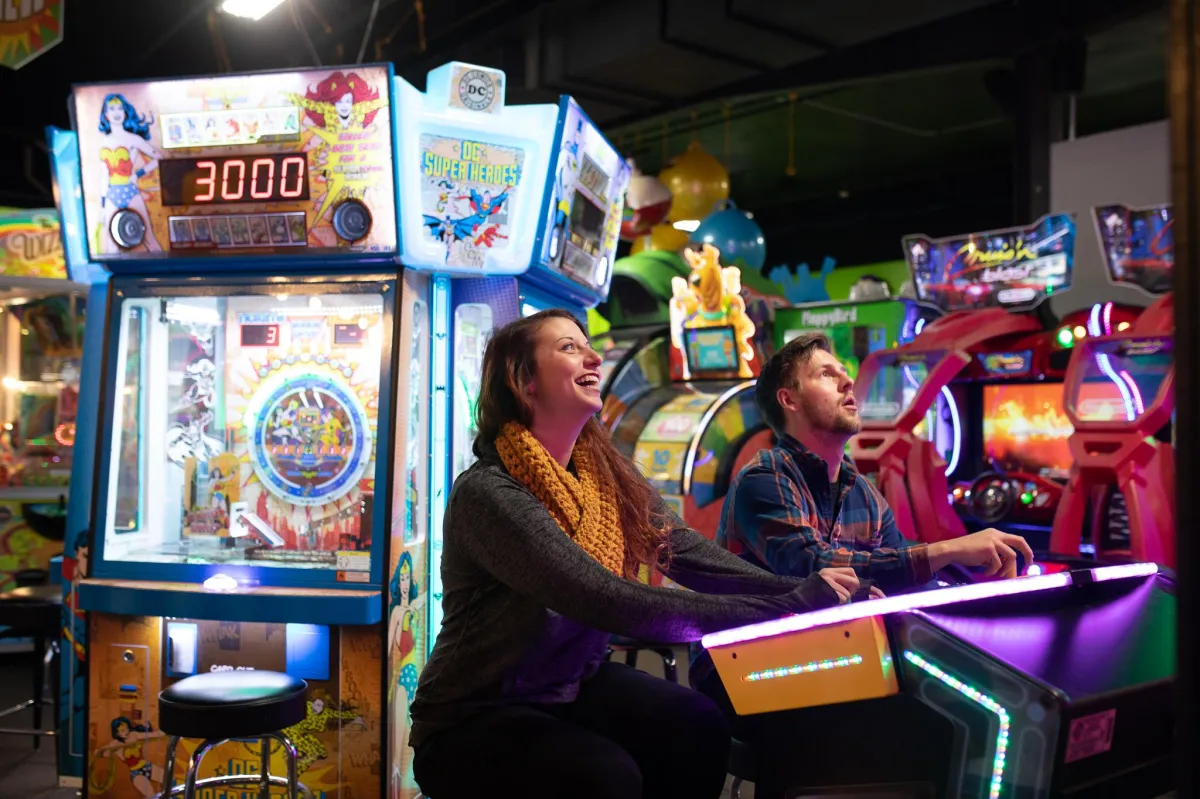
(1090, 735)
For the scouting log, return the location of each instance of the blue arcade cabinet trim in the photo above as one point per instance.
(534, 300)
(64, 171)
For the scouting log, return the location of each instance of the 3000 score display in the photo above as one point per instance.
(234, 179)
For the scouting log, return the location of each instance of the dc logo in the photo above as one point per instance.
(476, 90)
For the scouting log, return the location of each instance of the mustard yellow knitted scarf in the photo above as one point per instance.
(582, 506)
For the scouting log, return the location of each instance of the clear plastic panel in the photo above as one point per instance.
(472, 326)
(1122, 378)
(895, 385)
(244, 430)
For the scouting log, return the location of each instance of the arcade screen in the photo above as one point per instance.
(42, 341)
(1122, 378)
(587, 224)
(244, 430)
(711, 349)
(1025, 429)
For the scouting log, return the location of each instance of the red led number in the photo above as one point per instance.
(226, 194)
(272, 335)
(268, 184)
(298, 162)
(210, 181)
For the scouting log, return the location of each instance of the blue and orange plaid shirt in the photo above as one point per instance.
(782, 513)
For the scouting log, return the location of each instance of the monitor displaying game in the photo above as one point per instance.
(1015, 268)
(1121, 379)
(1025, 429)
(1138, 245)
(711, 350)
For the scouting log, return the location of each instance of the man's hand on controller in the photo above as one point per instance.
(994, 550)
(845, 582)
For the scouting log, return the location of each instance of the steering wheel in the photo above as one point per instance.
(992, 497)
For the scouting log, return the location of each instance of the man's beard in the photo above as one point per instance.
(842, 422)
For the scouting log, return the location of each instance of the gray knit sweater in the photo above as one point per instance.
(528, 613)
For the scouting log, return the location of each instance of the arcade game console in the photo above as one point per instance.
(1000, 365)
(250, 225)
(514, 210)
(1053, 685)
(42, 312)
(637, 344)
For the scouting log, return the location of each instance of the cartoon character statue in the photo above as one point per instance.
(647, 203)
(711, 297)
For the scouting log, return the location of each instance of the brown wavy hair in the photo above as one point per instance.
(508, 368)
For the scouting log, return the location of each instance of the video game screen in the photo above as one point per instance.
(1138, 245)
(711, 349)
(1025, 429)
(1122, 378)
(587, 224)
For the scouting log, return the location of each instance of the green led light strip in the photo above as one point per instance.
(805, 668)
(978, 698)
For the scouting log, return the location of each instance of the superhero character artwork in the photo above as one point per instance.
(467, 195)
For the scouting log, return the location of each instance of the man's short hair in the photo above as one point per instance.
(781, 372)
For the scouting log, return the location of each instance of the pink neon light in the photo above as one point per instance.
(1105, 573)
(1137, 394)
(1108, 306)
(881, 607)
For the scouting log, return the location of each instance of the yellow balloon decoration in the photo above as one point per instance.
(660, 237)
(697, 181)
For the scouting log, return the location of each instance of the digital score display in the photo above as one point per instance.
(348, 335)
(275, 177)
(260, 335)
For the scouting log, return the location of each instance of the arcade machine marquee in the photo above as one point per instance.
(246, 420)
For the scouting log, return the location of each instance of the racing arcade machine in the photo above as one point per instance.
(1003, 366)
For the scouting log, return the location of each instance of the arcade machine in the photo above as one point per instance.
(71, 738)
(1051, 685)
(1120, 401)
(248, 409)
(506, 225)
(1003, 360)
(637, 344)
(688, 435)
(42, 310)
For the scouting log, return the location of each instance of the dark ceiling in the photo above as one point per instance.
(898, 117)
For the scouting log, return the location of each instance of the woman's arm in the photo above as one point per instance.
(701, 565)
(506, 531)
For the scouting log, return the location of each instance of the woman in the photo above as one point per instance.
(543, 538)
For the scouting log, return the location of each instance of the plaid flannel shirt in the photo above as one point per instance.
(780, 508)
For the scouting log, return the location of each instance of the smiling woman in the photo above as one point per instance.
(544, 537)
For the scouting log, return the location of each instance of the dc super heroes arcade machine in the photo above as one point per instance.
(505, 210)
(247, 408)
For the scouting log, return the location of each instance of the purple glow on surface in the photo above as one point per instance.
(880, 607)
(1105, 573)
(1134, 391)
(1106, 367)
(1034, 570)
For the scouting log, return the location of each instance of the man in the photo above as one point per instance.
(803, 506)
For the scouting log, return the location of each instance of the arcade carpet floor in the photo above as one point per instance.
(30, 774)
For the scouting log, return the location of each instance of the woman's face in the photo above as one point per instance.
(116, 113)
(344, 105)
(405, 584)
(566, 379)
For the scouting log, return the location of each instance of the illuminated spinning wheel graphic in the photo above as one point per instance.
(310, 438)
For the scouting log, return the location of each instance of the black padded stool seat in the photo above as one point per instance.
(232, 704)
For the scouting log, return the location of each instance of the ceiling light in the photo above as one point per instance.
(250, 9)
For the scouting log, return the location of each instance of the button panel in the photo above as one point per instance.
(238, 231)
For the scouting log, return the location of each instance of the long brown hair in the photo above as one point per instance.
(508, 368)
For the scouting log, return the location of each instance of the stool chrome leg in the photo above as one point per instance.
(264, 789)
(735, 790)
(189, 785)
(292, 756)
(169, 767)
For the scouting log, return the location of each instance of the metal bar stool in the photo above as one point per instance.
(632, 646)
(35, 612)
(232, 706)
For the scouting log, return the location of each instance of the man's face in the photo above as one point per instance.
(823, 398)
